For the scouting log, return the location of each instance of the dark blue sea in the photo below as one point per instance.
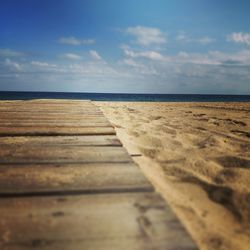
(12, 95)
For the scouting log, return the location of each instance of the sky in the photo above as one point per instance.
(132, 46)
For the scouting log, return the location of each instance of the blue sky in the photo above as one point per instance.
(142, 46)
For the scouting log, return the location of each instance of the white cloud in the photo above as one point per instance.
(10, 53)
(131, 62)
(238, 58)
(193, 72)
(195, 58)
(71, 56)
(95, 55)
(239, 37)
(140, 70)
(42, 64)
(146, 35)
(75, 41)
(152, 55)
(13, 65)
(183, 37)
(205, 40)
(214, 58)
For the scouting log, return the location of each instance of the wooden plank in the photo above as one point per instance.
(56, 130)
(123, 221)
(51, 103)
(77, 124)
(44, 104)
(61, 101)
(47, 107)
(51, 117)
(37, 109)
(51, 112)
(8, 121)
(62, 154)
(43, 117)
(31, 141)
(71, 178)
(47, 104)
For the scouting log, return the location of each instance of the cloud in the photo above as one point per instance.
(205, 40)
(10, 53)
(131, 62)
(13, 65)
(95, 55)
(138, 71)
(152, 55)
(42, 64)
(75, 41)
(183, 37)
(71, 56)
(209, 72)
(238, 58)
(146, 36)
(239, 37)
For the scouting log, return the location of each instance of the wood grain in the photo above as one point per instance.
(56, 130)
(20, 141)
(31, 179)
(133, 221)
(67, 183)
(62, 154)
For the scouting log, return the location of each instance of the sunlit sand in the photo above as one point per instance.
(198, 156)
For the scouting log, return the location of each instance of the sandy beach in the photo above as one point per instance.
(198, 156)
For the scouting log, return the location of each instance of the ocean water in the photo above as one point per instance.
(12, 95)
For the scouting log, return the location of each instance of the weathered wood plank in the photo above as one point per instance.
(46, 103)
(62, 154)
(19, 106)
(56, 130)
(71, 178)
(123, 212)
(55, 123)
(40, 104)
(37, 109)
(51, 112)
(123, 221)
(44, 100)
(26, 119)
(49, 116)
(47, 106)
(21, 141)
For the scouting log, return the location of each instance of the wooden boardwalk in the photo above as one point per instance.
(66, 182)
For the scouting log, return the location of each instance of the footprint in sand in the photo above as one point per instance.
(235, 122)
(149, 152)
(199, 115)
(233, 162)
(152, 118)
(222, 195)
(225, 176)
(208, 142)
(241, 133)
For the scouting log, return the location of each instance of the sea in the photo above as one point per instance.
(13, 95)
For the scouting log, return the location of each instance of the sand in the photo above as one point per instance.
(198, 156)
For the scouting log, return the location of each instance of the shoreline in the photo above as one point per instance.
(197, 156)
